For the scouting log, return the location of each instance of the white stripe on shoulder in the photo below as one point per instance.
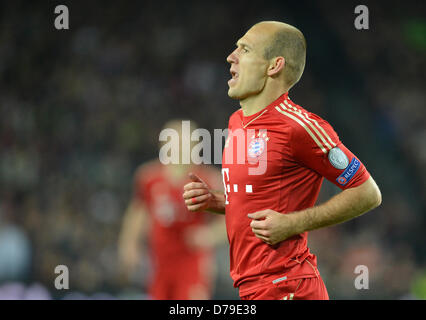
(319, 127)
(308, 120)
(292, 116)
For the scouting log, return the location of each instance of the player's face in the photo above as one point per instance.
(248, 65)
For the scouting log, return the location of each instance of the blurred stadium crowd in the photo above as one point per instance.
(80, 109)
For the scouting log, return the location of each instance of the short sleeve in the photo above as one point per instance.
(317, 146)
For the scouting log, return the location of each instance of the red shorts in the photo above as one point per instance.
(312, 288)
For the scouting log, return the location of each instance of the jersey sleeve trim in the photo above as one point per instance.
(291, 116)
(312, 127)
(323, 133)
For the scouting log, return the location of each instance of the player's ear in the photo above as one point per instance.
(277, 64)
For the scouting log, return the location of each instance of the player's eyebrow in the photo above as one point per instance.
(243, 44)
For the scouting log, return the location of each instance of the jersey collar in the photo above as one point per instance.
(246, 121)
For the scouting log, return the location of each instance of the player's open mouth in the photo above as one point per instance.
(234, 77)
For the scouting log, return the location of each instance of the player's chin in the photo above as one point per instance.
(233, 94)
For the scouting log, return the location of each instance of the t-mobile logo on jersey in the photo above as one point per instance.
(227, 187)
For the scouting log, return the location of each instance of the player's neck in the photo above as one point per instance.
(256, 103)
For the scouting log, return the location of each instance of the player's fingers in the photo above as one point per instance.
(261, 232)
(196, 178)
(258, 215)
(194, 185)
(197, 207)
(194, 193)
(264, 239)
(196, 200)
(258, 224)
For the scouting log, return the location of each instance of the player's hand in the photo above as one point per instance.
(271, 226)
(197, 194)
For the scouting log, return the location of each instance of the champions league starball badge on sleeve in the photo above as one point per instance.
(338, 158)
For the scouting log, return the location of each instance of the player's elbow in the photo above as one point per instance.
(368, 196)
(375, 196)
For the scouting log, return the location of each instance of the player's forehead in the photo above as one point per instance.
(254, 38)
(244, 41)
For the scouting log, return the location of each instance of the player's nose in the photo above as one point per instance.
(232, 58)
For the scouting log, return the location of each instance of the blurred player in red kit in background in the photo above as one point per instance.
(181, 243)
(269, 212)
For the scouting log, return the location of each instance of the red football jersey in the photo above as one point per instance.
(277, 159)
(170, 219)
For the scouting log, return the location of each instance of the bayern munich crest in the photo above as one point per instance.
(257, 145)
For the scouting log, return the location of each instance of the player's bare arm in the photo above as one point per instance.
(273, 227)
(132, 231)
(199, 197)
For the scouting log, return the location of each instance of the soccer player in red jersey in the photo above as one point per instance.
(181, 243)
(269, 194)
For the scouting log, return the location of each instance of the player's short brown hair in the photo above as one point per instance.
(288, 42)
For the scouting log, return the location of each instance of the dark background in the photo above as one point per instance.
(80, 109)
